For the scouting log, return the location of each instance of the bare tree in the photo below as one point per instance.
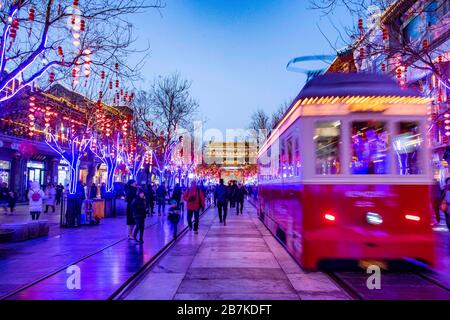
(279, 114)
(260, 126)
(166, 112)
(65, 40)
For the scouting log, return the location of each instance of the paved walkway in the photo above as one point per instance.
(108, 259)
(239, 261)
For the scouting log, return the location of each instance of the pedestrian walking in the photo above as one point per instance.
(35, 197)
(93, 191)
(177, 194)
(161, 198)
(80, 195)
(4, 196)
(59, 193)
(139, 210)
(130, 195)
(174, 216)
(150, 199)
(50, 198)
(232, 192)
(240, 194)
(12, 201)
(103, 190)
(195, 200)
(222, 196)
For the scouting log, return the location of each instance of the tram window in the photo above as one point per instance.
(297, 163)
(407, 145)
(289, 172)
(326, 139)
(369, 146)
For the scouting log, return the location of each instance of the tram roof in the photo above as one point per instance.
(354, 84)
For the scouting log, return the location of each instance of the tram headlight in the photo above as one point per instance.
(329, 217)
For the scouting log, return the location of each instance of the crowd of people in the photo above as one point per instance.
(50, 197)
(142, 201)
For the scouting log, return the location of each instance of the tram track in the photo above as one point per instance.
(135, 279)
(398, 285)
(60, 269)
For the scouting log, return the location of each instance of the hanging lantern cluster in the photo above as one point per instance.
(361, 26)
(385, 39)
(87, 62)
(61, 53)
(75, 74)
(14, 28)
(31, 17)
(47, 116)
(125, 127)
(361, 54)
(77, 25)
(447, 124)
(108, 129)
(32, 115)
(13, 32)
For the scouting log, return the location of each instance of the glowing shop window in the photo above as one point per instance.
(369, 146)
(326, 138)
(407, 148)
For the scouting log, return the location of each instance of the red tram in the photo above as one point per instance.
(345, 175)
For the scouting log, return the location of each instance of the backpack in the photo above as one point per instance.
(36, 196)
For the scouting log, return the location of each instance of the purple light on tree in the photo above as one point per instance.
(71, 153)
(108, 151)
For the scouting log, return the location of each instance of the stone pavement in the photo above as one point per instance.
(108, 258)
(241, 260)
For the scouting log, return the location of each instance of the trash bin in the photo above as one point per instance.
(98, 206)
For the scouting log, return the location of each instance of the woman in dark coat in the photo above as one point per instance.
(139, 212)
(130, 194)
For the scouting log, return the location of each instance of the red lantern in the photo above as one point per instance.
(51, 77)
(110, 85)
(361, 53)
(60, 51)
(82, 25)
(31, 14)
(398, 72)
(117, 83)
(385, 33)
(360, 24)
(15, 24)
(383, 67)
(425, 44)
(102, 75)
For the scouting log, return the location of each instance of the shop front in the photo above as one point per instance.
(5, 172)
(35, 172)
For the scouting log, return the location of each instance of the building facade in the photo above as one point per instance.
(410, 41)
(232, 157)
(24, 154)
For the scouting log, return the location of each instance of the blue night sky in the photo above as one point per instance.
(234, 51)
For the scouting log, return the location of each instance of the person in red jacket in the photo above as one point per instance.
(195, 200)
